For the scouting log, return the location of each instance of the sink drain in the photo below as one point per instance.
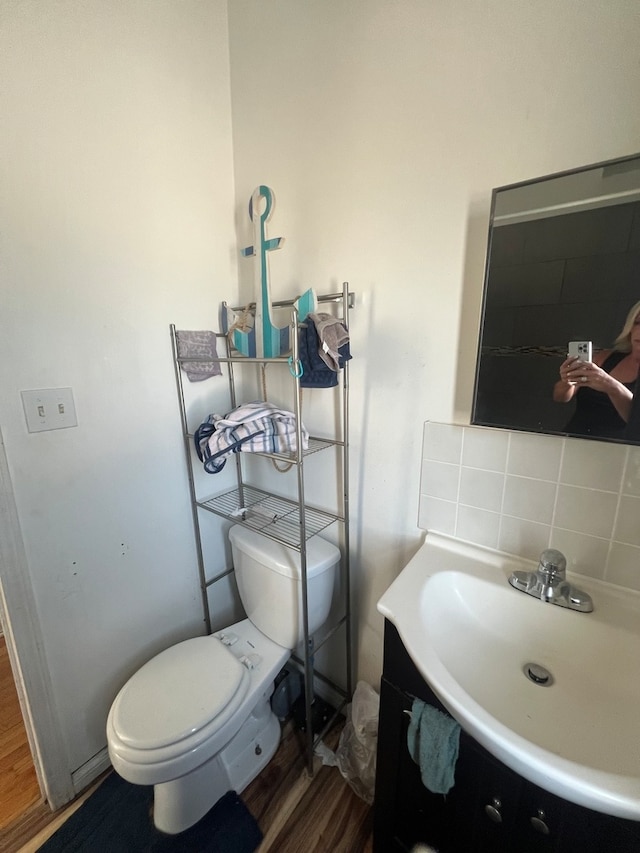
(538, 674)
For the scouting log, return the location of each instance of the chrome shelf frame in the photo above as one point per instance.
(285, 520)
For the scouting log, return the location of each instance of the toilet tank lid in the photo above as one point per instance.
(321, 555)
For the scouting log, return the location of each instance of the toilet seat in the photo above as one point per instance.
(184, 693)
(177, 759)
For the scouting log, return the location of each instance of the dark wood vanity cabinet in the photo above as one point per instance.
(490, 809)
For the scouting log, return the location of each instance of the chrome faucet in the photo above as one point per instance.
(549, 583)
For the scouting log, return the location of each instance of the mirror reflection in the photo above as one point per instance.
(563, 276)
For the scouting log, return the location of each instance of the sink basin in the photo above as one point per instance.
(473, 637)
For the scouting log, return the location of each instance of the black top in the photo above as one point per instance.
(633, 427)
(595, 414)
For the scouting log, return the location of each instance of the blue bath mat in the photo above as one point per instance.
(116, 818)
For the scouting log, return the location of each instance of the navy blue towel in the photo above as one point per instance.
(315, 373)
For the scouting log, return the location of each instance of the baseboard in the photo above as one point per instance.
(90, 770)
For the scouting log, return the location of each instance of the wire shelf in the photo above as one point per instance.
(315, 446)
(276, 517)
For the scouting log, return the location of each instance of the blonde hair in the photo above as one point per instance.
(623, 342)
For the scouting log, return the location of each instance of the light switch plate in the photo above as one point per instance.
(49, 408)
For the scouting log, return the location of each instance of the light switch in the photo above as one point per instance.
(49, 408)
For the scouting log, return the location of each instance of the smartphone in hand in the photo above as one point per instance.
(582, 350)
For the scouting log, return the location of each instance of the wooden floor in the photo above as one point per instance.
(19, 787)
(297, 814)
(300, 815)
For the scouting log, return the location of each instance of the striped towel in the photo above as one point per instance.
(252, 428)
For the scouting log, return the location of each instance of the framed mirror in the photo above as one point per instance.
(563, 264)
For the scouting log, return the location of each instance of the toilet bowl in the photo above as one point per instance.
(195, 721)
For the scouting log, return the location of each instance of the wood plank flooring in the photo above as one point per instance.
(302, 815)
(297, 814)
(19, 787)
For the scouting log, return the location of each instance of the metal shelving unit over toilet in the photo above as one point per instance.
(291, 522)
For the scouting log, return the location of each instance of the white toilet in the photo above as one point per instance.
(195, 721)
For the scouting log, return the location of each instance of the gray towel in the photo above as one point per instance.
(332, 335)
(200, 345)
(433, 739)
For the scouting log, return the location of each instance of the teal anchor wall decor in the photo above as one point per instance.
(264, 339)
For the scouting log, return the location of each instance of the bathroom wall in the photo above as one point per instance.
(522, 493)
(117, 220)
(382, 127)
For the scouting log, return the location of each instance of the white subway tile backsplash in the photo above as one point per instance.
(523, 493)
(593, 464)
(437, 515)
(485, 448)
(529, 499)
(623, 567)
(534, 456)
(440, 480)
(585, 511)
(585, 554)
(478, 526)
(631, 482)
(482, 489)
(525, 538)
(442, 442)
(627, 528)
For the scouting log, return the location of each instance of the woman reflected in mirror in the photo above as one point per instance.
(603, 388)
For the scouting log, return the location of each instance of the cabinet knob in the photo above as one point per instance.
(539, 823)
(492, 810)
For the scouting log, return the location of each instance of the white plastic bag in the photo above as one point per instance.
(356, 752)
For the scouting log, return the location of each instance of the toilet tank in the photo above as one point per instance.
(268, 575)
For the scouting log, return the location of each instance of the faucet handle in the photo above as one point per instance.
(553, 564)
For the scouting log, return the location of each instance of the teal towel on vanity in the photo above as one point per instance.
(433, 740)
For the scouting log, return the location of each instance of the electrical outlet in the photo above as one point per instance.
(49, 408)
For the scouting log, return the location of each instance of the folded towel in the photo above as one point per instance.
(332, 335)
(433, 740)
(201, 345)
(315, 373)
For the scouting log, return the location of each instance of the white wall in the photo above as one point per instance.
(117, 219)
(382, 127)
